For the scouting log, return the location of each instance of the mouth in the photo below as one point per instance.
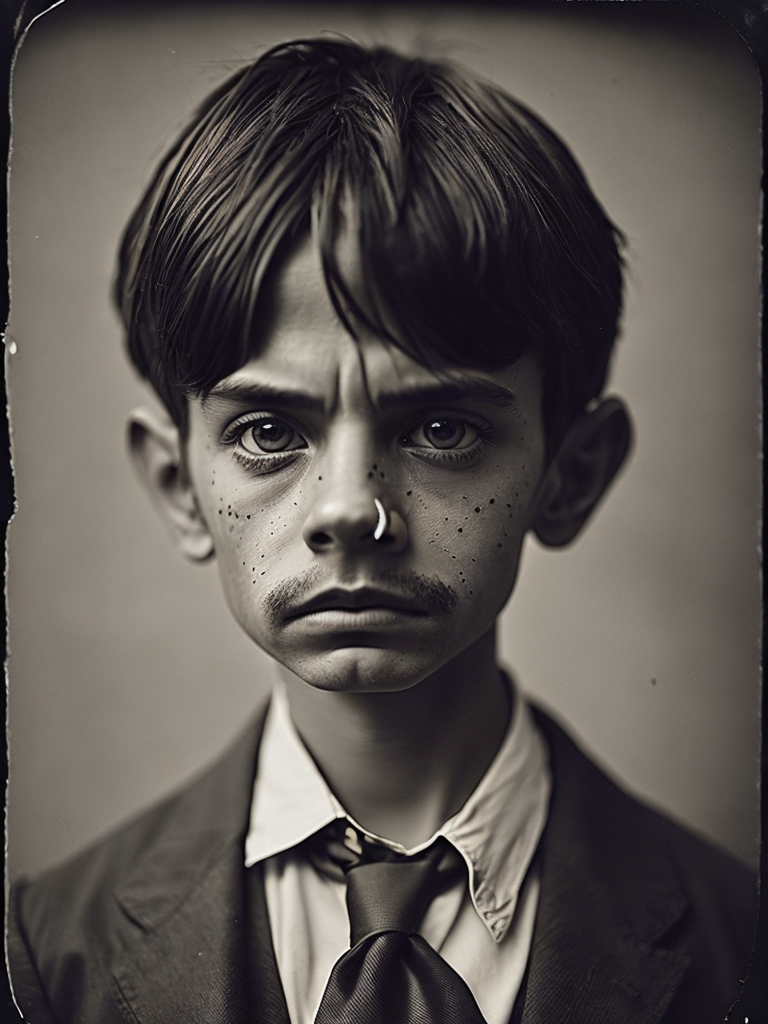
(363, 605)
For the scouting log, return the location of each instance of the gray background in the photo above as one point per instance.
(126, 672)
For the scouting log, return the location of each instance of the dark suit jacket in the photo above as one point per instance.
(638, 921)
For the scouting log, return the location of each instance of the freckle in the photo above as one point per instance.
(264, 573)
(229, 513)
(221, 511)
(381, 474)
(375, 465)
(446, 519)
(236, 516)
(474, 559)
(492, 501)
(460, 530)
(464, 497)
(247, 517)
(508, 505)
(370, 474)
(498, 545)
(319, 478)
(262, 556)
(253, 569)
(471, 591)
(409, 493)
(477, 509)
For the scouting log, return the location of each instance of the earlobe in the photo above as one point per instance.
(591, 454)
(157, 453)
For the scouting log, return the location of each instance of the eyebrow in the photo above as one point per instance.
(263, 394)
(447, 392)
(440, 393)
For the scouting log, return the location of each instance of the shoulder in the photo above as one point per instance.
(69, 919)
(585, 796)
(652, 877)
(594, 797)
(213, 802)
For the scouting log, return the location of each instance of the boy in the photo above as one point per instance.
(378, 300)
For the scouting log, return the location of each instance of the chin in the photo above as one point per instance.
(360, 670)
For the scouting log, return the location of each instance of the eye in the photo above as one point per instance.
(267, 436)
(444, 433)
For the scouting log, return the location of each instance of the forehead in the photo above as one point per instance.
(305, 348)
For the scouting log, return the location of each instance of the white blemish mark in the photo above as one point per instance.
(381, 526)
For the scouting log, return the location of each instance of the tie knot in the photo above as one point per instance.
(386, 891)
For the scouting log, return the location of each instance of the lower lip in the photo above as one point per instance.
(358, 618)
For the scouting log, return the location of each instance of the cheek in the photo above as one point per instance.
(474, 541)
(252, 536)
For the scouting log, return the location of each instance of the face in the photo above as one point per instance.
(367, 516)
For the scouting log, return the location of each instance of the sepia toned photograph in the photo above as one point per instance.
(384, 594)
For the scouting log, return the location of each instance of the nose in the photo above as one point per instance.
(349, 518)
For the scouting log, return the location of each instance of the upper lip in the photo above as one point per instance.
(342, 599)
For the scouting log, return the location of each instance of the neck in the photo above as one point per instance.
(402, 763)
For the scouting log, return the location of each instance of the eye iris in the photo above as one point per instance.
(445, 433)
(271, 435)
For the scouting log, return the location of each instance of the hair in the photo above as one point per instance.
(477, 237)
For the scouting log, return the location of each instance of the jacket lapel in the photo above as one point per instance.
(190, 966)
(266, 995)
(188, 939)
(608, 897)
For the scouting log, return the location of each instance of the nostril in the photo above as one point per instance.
(321, 539)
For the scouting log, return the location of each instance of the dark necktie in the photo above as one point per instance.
(391, 975)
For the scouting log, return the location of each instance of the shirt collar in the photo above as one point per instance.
(496, 831)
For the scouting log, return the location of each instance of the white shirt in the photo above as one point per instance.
(482, 930)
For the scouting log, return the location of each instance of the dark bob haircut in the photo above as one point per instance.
(477, 236)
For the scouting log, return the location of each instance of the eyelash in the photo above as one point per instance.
(485, 440)
(457, 455)
(268, 462)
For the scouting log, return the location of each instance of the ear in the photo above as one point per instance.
(591, 454)
(157, 451)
